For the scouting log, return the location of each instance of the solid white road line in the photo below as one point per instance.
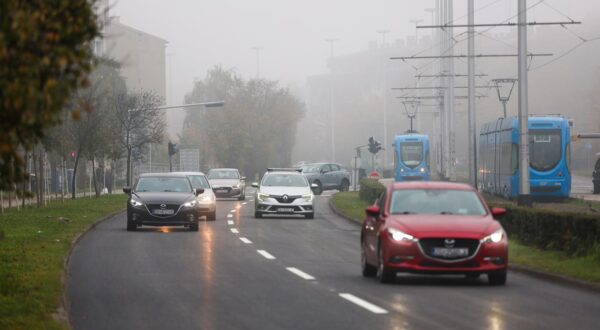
(230, 222)
(265, 254)
(363, 303)
(230, 215)
(235, 231)
(300, 273)
(245, 240)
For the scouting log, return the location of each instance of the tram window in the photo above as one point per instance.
(545, 149)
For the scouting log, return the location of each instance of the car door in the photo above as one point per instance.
(326, 176)
(336, 173)
(372, 228)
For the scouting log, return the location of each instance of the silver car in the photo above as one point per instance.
(207, 200)
(284, 191)
(227, 183)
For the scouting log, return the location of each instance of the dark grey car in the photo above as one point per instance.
(327, 176)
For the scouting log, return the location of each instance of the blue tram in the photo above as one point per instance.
(411, 157)
(549, 157)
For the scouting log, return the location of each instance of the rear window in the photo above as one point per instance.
(436, 201)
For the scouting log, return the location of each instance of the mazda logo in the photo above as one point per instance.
(449, 242)
(285, 198)
(162, 206)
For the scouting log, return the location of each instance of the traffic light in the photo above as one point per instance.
(374, 145)
(172, 148)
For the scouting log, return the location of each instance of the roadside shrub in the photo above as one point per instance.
(370, 189)
(575, 234)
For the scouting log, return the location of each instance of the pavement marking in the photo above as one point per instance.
(265, 254)
(232, 211)
(230, 215)
(251, 200)
(230, 222)
(363, 303)
(300, 273)
(245, 240)
(235, 231)
(244, 203)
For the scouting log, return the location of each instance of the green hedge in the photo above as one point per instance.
(575, 234)
(370, 189)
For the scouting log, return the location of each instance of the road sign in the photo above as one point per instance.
(189, 160)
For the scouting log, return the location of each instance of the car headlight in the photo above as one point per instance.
(236, 186)
(307, 197)
(207, 198)
(261, 197)
(493, 238)
(190, 204)
(135, 203)
(398, 235)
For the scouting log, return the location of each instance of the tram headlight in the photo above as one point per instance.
(422, 170)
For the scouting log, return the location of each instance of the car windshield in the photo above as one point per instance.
(544, 148)
(284, 180)
(163, 184)
(310, 168)
(223, 174)
(436, 201)
(411, 153)
(199, 181)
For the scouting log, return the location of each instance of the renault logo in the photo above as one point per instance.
(162, 206)
(285, 198)
(449, 242)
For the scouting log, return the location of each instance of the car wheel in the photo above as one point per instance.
(212, 216)
(310, 215)
(257, 215)
(368, 270)
(497, 278)
(131, 226)
(242, 196)
(596, 188)
(194, 226)
(345, 185)
(384, 274)
(319, 189)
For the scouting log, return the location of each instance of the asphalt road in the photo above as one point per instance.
(288, 273)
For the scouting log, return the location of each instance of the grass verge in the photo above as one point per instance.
(583, 268)
(33, 246)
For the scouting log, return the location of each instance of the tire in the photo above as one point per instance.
(131, 226)
(384, 274)
(319, 189)
(257, 215)
(596, 188)
(194, 226)
(497, 278)
(368, 270)
(345, 185)
(310, 215)
(212, 216)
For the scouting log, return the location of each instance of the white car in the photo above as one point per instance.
(207, 201)
(284, 191)
(227, 183)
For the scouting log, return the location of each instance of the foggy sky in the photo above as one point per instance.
(202, 34)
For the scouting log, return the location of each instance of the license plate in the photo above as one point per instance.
(221, 191)
(164, 212)
(285, 209)
(450, 252)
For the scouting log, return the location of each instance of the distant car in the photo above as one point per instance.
(433, 228)
(207, 200)
(163, 199)
(227, 183)
(284, 191)
(596, 175)
(327, 176)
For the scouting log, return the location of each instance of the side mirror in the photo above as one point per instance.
(127, 190)
(323, 171)
(255, 184)
(199, 191)
(498, 212)
(373, 211)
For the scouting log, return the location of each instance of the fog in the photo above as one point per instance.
(202, 34)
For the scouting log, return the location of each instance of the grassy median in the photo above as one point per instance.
(34, 243)
(584, 268)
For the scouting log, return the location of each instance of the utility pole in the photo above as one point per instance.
(384, 88)
(416, 22)
(257, 49)
(331, 41)
(524, 193)
(450, 119)
(472, 154)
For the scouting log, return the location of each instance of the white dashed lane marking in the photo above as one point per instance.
(235, 231)
(265, 254)
(300, 273)
(230, 215)
(363, 303)
(230, 222)
(232, 211)
(245, 240)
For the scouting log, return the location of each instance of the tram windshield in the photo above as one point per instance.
(545, 149)
(411, 153)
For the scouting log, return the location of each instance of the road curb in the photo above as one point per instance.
(63, 313)
(549, 276)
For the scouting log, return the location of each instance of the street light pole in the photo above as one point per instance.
(257, 49)
(331, 41)
(472, 155)
(524, 192)
(383, 32)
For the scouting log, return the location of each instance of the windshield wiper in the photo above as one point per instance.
(446, 212)
(405, 212)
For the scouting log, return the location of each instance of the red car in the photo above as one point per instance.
(433, 228)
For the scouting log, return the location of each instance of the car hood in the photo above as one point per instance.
(164, 197)
(223, 182)
(420, 225)
(280, 191)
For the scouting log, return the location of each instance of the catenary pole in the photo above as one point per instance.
(524, 193)
(472, 156)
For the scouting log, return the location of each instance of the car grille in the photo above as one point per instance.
(153, 207)
(428, 244)
(467, 264)
(282, 199)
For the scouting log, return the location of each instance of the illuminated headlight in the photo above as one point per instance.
(308, 197)
(401, 170)
(493, 238)
(190, 204)
(261, 197)
(398, 235)
(207, 198)
(422, 170)
(135, 203)
(236, 186)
